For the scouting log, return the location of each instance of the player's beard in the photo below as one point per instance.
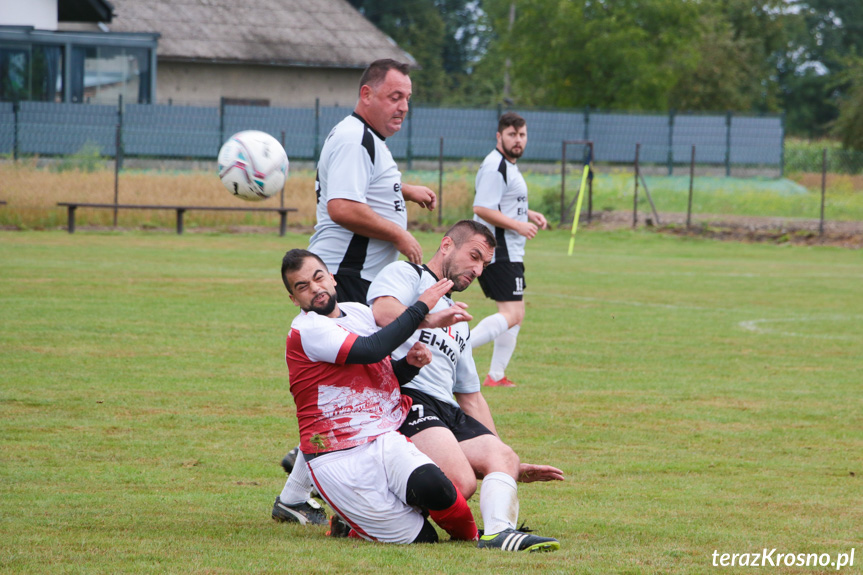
(511, 152)
(324, 309)
(460, 280)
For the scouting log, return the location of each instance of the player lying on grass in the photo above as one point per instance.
(458, 433)
(349, 408)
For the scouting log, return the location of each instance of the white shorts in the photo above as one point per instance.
(366, 485)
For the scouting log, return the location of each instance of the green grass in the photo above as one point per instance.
(699, 395)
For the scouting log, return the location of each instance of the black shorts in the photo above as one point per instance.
(503, 281)
(351, 288)
(429, 412)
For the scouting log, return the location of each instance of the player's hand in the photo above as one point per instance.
(431, 296)
(528, 473)
(419, 355)
(421, 195)
(447, 317)
(410, 247)
(538, 219)
(526, 229)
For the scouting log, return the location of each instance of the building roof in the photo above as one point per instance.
(317, 33)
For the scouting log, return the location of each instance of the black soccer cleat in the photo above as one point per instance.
(308, 512)
(513, 540)
(338, 527)
(290, 459)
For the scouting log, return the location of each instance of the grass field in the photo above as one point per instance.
(700, 396)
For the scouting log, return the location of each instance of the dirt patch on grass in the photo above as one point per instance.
(749, 229)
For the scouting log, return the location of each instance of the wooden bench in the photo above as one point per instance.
(181, 210)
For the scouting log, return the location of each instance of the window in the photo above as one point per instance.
(102, 73)
(31, 72)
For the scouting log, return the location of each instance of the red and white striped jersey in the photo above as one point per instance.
(340, 405)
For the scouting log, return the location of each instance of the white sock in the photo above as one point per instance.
(504, 347)
(488, 329)
(298, 487)
(498, 503)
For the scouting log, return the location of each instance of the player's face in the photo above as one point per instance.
(511, 142)
(313, 288)
(464, 264)
(387, 104)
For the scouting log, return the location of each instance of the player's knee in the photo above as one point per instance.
(503, 459)
(429, 488)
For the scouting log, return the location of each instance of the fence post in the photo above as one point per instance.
(440, 185)
(118, 155)
(671, 114)
(317, 139)
(282, 193)
(782, 148)
(587, 122)
(562, 181)
(635, 194)
(409, 152)
(823, 189)
(16, 107)
(728, 143)
(221, 124)
(691, 178)
(119, 151)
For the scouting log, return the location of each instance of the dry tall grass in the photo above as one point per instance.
(32, 193)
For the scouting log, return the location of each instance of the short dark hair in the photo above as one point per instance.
(294, 260)
(376, 72)
(464, 230)
(510, 119)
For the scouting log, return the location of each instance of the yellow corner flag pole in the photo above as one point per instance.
(577, 214)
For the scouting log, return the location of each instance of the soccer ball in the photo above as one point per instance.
(253, 165)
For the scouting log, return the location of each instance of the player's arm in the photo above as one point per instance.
(499, 220)
(421, 195)
(373, 348)
(387, 308)
(475, 405)
(409, 366)
(359, 218)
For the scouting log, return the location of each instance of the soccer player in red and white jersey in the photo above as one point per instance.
(349, 408)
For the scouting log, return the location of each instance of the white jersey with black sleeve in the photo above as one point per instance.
(356, 165)
(501, 187)
(452, 368)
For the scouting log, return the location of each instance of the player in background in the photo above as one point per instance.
(349, 408)
(500, 204)
(458, 434)
(361, 213)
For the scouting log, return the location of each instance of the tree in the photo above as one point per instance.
(823, 34)
(443, 36)
(616, 54)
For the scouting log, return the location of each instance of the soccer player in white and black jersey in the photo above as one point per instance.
(458, 433)
(361, 213)
(501, 205)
